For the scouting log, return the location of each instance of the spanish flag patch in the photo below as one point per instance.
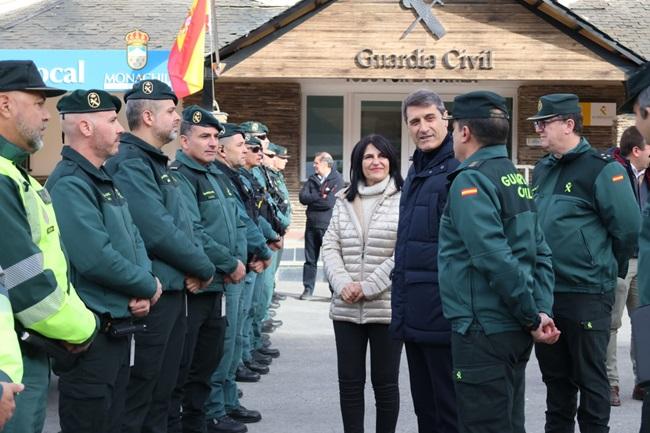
(618, 178)
(469, 191)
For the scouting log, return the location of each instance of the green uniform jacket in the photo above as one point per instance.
(493, 262)
(589, 216)
(33, 257)
(251, 182)
(280, 185)
(255, 240)
(215, 216)
(109, 263)
(140, 171)
(644, 260)
(11, 362)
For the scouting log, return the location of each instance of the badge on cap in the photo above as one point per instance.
(255, 127)
(196, 117)
(539, 105)
(93, 100)
(147, 87)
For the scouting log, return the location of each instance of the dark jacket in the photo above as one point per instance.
(616, 154)
(320, 198)
(109, 263)
(589, 216)
(416, 308)
(140, 171)
(495, 267)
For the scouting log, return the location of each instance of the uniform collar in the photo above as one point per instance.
(190, 162)
(582, 147)
(10, 151)
(129, 138)
(72, 155)
(485, 152)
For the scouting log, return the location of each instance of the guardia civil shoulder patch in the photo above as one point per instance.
(468, 191)
(618, 178)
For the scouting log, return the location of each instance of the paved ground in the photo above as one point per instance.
(301, 393)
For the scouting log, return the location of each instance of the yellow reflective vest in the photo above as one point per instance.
(11, 364)
(32, 256)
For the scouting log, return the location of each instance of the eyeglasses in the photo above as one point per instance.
(255, 149)
(270, 155)
(261, 137)
(542, 124)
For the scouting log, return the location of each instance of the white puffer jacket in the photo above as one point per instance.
(348, 257)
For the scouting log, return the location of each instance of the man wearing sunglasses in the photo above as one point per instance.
(591, 220)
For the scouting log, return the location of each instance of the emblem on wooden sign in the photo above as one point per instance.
(424, 14)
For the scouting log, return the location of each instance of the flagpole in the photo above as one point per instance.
(214, 41)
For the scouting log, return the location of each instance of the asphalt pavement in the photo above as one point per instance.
(300, 394)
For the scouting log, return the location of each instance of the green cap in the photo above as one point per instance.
(280, 151)
(252, 141)
(556, 104)
(151, 89)
(478, 105)
(254, 127)
(88, 101)
(201, 117)
(634, 85)
(231, 129)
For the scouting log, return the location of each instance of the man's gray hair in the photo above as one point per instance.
(325, 157)
(423, 98)
(644, 98)
(134, 110)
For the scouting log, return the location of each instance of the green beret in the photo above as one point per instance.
(556, 104)
(254, 127)
(88, 101)
(478, 105)
(634, 85)
(198, 116)
(252, 141)
(230, 129)
(151, 89)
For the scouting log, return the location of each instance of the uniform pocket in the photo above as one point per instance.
(601, 324)
(482, 394)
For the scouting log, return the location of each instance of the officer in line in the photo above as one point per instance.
(232, 149)
(590, 219)
(638, 102)
(226, 413)
(272, 230)
(108, 261)
(222, 233)
(11, 364)
(496, 278)
(140, 172)
(36, 270)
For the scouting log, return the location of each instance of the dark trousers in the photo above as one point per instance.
(93, 392)
(351, 344)
(202, 351)
(490, 376)
(578, 362)
(645, 412)
(432, 388)
(157, 359)
(313, 242)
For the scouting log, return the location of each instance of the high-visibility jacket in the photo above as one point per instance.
(11, 363)
(31, 253)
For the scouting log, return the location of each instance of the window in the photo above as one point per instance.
(324, 130)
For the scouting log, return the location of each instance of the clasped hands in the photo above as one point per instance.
(547, 332)
(352, 292)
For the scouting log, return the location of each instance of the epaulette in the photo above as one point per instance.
(604, 156)
(67, 168)
(476, 164)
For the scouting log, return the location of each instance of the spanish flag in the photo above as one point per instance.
(185, 63)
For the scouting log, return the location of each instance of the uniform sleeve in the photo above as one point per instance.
(644, 260)
(475, 210)
(255, 240)
(267, 229)
(332, 253)
(544, 278)
(242, 247)
(11, 363)
(159, 232)
(38, 302)
(618, 210)
(89, 245)
(218, 253)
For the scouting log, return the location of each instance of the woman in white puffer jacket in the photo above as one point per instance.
(358, 259)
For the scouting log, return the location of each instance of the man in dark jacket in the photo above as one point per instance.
(633, 154)
(109, 264)
(140, 170)
(318, 194)
(416, 309)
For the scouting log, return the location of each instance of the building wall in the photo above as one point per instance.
(277, 105)
(601, 137)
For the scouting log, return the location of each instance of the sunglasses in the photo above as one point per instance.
(255, 149)
(270, 155)
(261, 137)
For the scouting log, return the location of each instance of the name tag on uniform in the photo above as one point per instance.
(44, 195)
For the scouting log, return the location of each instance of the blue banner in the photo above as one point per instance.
(92, 69)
